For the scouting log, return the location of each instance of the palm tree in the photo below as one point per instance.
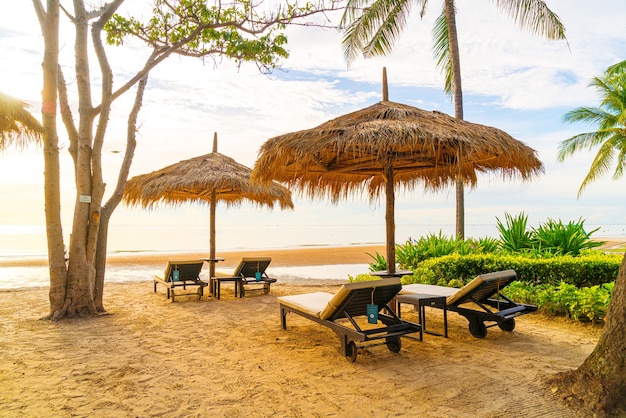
(17, 125)
(372, 26)
(600, 382)
(610, 119)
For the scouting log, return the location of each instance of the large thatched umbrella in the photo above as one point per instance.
(17, 125)
(208, 178)
(388, 144)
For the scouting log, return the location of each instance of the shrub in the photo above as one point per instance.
(514, 236)
(379, 263)
(564, 239)
(564, 299)
(362, 278)
(591, 269)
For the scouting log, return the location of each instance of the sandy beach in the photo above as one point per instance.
(227, 358)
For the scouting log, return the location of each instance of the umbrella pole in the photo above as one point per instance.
(212, 241)
(390, 218)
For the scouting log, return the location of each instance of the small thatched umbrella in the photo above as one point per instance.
(208, 178)
(17, 125)
(389, 144)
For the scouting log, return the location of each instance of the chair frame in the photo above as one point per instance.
(245, 276)
(189, 277)
(484, 292)
(353, 306)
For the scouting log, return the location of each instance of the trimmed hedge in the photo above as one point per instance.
(582, 271)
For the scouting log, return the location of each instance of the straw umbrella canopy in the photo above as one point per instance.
(17, 125)
(206, 179)
(389, 144)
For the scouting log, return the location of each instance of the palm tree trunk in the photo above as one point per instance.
(599, 384)
(455, 59)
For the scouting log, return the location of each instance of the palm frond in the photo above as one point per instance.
(600, 165)
(388, 31)
(535, 16)
(590, 115)
(441, 51)
(371, 28)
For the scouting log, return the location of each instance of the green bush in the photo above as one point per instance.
(410, 254)
(362, 278)
(552, 238)
(593, 268)
(564, 239)
(379, 263)
(564, 299)
(557, 268)
(514, 235)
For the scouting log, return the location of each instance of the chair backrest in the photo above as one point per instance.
(353, 298)
(187, 270)
(482, 287)
(249, 266)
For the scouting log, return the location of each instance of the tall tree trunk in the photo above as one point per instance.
(599, 384)
(116, 197)
(455, 58)
(49, 20)
(81, 271)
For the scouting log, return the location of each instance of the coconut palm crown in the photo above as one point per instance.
(610, 120)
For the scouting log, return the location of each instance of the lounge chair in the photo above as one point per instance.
(341, 311)
(249, 275)
(479, 301)
(188, 277)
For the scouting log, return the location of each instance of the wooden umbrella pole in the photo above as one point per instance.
(385, 88)
(212, 236)
(390, 217)
(212, 227)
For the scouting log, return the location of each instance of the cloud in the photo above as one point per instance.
(511, 79)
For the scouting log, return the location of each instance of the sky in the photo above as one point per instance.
(512, 80)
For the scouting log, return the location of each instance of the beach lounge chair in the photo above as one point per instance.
(249, 275)
(349, 311)
(479, 301)
(182, 275)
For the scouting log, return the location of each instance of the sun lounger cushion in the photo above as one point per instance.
(481, 287)
(428, 289)
(325, 305)
(309, 303)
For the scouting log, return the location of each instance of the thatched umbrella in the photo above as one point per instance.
(17, 125)
(389, 144)
(208, 178)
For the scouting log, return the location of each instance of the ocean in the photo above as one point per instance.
(28, 244)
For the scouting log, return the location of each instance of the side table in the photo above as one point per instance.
(212, 262)
(218, 285)
(420, 301)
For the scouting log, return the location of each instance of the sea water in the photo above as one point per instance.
(28, 244)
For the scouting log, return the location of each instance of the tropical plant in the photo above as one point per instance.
(379, 263)
(486, 245)
(610, 120)
(564, 239)
(514, 234)
(589, 302)
(373, 26)
(601, 379)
